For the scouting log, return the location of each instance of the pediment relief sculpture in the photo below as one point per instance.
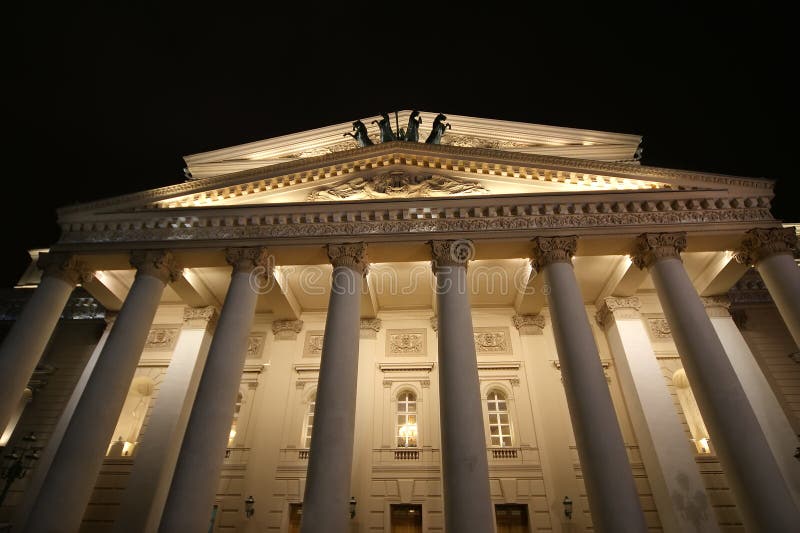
(397, 185)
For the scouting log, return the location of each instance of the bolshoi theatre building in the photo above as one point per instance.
(409, 323)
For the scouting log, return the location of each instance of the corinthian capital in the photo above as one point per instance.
(624, 307)
(352, 255)
(248, 259)
(157, 263)
(761, 243)
(652, 247)
(451, 253)
(548, 250)
(65, 267)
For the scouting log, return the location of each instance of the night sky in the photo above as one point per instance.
(102, 101)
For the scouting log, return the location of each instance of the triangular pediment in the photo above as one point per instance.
(407, 170)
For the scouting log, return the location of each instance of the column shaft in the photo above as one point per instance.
(758, 486)
(149, 481)
(196, 477)
(669, 461)
(613, 499)
(325, 504)
(25, 343)
(782, 278)
(68, 486)
(465, 469)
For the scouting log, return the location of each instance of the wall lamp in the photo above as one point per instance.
(249, 506)
(567, 507)
(352, 506)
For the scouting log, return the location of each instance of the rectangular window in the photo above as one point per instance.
(511, 518)
(406, 518)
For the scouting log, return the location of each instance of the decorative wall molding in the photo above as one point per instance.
(492, 340)
(286, 329)
(659, 328)
(525, 214)
(408, 342)
(605, 364)
(529, 324)
(396, 184)
(313, 344)
(255, 345)
(162, 339)
(750, 289)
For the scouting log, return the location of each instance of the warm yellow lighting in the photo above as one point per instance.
(702, 446)
(232, 434)
(628, 260)
(127, 448)
(408, 431)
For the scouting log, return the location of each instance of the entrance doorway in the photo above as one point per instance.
(512, 518)
(406, 518)
(295, 514)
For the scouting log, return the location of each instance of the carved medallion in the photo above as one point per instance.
(405, 342)
(161, 339)
(492, 340)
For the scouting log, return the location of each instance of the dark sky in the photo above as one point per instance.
(102, 101)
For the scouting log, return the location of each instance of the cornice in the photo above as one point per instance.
(482, 160)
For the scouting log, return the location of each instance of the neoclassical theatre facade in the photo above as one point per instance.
(494, 326)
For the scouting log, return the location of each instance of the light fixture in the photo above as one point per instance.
(352, 506)
(567, 507)
(249, 506)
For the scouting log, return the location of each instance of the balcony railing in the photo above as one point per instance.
(505, 453)
(406, 455)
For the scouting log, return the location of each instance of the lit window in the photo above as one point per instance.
(499, 425)
(308, 425)
(406, 420)
(691, 413)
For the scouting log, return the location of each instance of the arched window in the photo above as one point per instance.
(406, 420)
(499, 424)
(308, 423)
(691, 412)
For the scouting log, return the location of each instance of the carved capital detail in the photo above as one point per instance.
(373, 324)
(65, 267)
(450, 253)
(716, 305)
(200, 316)
(529, 324)
(248, 259)
(547, 250)
(287, 327)
(627, 307)
(435, 324)
(652, 247)
(157, 263)
(761, 243)
(352, 255)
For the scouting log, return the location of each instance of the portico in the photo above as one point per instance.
(508, 294)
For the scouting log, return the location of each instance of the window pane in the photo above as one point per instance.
(495, 441)
(504, 418)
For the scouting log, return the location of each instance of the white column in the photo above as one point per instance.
(606, 469)
(755, 479)
(73, 473)
(325, 504)
(774, 423)
(196, 477)
(23, 346)
(38, 475)
(771, 251)
(465, 469)
(672, 472)
(149, 481)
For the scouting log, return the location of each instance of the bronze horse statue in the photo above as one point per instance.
(412, 133)
(385, 126)
(439, 126)
(361, 135)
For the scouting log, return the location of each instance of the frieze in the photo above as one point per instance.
(406, 342)
(492, 341)
(397, 184)
(162, 339)
(385, 153)
(390, 222)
